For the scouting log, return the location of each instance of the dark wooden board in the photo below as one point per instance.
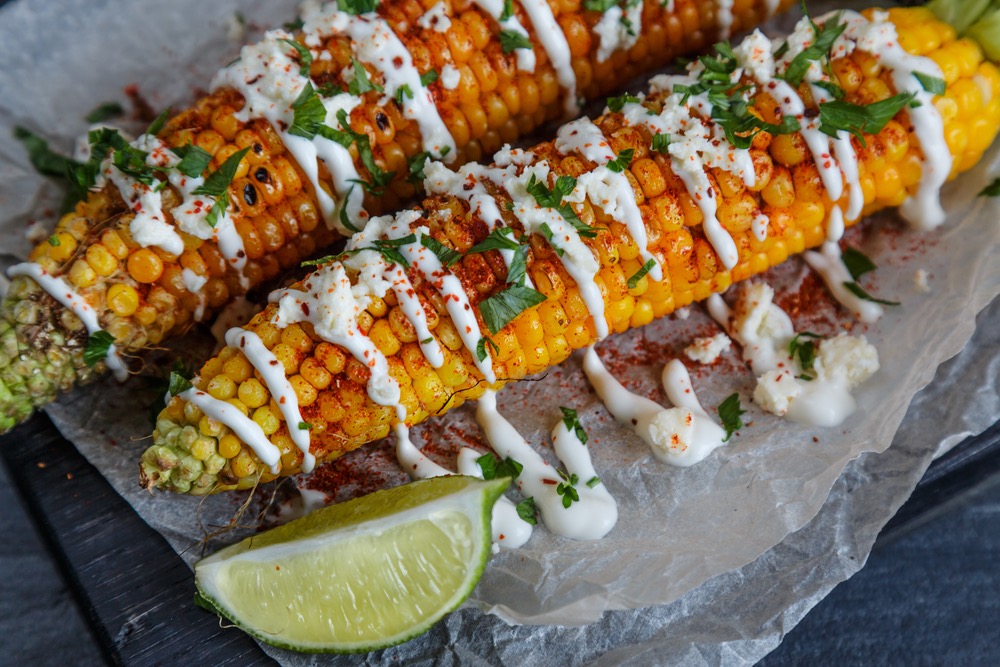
(137, 594)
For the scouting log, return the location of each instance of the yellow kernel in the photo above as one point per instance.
(266, 419)
(252, 393)
(81, 275)
(122, 299)
(237, 368)
(221, 387)
(101, 260)
(229, 446)
(145, 266)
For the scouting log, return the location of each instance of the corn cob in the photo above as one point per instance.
(143, 294)
(198, 454)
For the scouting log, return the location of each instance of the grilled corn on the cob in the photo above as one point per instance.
(505, 270)
(453, 80)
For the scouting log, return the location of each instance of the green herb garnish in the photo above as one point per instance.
(567, 489)
(194, 160)
(501, 308)
(305, 55)
(633, 282)
(481, 348)
(859, 119)
(103, 112)
(731, 415)
(621, 163)
(511, 39)
(217, 185)
(526, 510)
(931, 84)
(494, 469)
(98, 344)
(616, 104)
(572, 423)
(857, 263)
(447, 255)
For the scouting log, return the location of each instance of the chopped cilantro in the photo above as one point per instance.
(305, 56)
(304, 426)
(159, 122)
(859, 292)
(217, 185)
(194, 160)
(329, 89)
(599, 5)
(826, 35)
(97, 348)
(43, 159)
(805, 350)
(730, 413)
(380, 177)
(859, 119)
(357, 6)
(403, 93)
(593, 481)
(103, 112)
(499, 239)
(361, 84)
(508, 10)
(416, 165)
(501, 308)
(567, 489)
(857, 263)
(633, 282)
(616, 104)
(526, 510)
(572, 423)
(518, 268)
(931, 84)
(781, 50)
(54, 241)
(294, 25)
(554, 199)
(481, 348)
(178, 384)
(991, 190)
(389, 249)
(447, 255)
(427, 78)
(325, 259)
(511, 39)
(661, 142)
(494, 469)
(621, 163)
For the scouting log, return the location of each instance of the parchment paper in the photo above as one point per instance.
(709, 564)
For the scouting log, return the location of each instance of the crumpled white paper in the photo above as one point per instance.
(709, 564)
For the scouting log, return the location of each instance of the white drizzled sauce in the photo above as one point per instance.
(589, 518)
(328, 301)
(194, 283)
(618, 29)
(273, 374)
(610, 191)
(696, 144)
(436, 18)
(550, 35)
(467, 184)
(377, 45)
(526, 60)
(59, 290)
(765, 331)
(680, 436)
(509, 529)
(577, 257)
(450, 77)
(829, 264)
(245, 428)
(879, 37)
(724, 15)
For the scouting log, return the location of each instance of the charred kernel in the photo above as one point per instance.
(382, 121)
(262, 175)
(250, 194)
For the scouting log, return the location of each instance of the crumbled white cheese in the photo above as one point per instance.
(920, 281)
(755, 57)
(450, 77)
(618, 29)
(192, 281)
(776, 390)
(436, 17)
(707, 350)
(849, 358)
(671, 431)
(683, 313)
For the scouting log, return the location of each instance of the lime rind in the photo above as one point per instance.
(371, 514)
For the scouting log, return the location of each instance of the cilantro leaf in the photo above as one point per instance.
(501, 308)
(97, 348)
(599, 5)
(510, 40)
(857, 263)
(616, 104)
(103, 112)
(593, 481)
(621, 163)
(494, 469)
(661, 142)
(499, 239)
(730, 413)
(389, 249)
(416, 165)
(447, 255)
(567, 489)
(826, 35)
(217, 185)
(554, 199)
(43, 159)
(380, 177)
(991, 190)
(508, 10)
(361, 84)
(633, 282)
(931, 84)
(572, 423)
(357, 6)
(178, 383)
(194, 160)
(427, 78)
(859, 119)
(403, 93)
(805, 350)
(305, 56)
(481, 348)
(526, 510)
(325, 259)
(54, 241)
(859, 292)
(305, 426)
(309, 113)
(159, 122)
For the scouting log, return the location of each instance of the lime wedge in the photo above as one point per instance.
(361, 575)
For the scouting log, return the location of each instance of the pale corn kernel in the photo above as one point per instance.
(209, 427)
(266, 419)
(221, 387)
(122, 299)
(81, 275)
(237, 368)
(304, 391)
(243, 465)
(252, 393)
